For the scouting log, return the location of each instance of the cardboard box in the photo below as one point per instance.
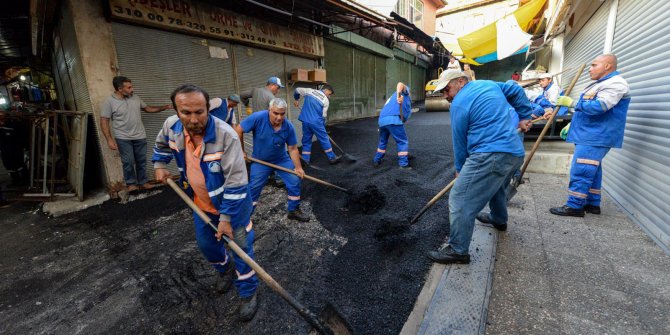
(299, 75)
(317, 75)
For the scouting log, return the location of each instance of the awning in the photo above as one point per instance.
(481, 46)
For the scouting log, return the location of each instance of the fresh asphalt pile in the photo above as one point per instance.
(136, 268)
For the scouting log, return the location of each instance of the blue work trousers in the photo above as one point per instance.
(215, 253)
(134, 158)
(586, 176)
(400, 137)
(309, 130)
(260, 174)
(483, 178)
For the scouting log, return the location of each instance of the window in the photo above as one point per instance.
(412, 10)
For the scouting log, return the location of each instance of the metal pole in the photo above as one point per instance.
(46, 155)
(32, 153)
(53, 155)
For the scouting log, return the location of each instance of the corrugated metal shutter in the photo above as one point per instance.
(294, 62)
(418, 82)
(583, 48)
(364, 84)
(174, 59)
(637, 175)
(380, 82)
(74, 65)
(338, 62)
(254, 67)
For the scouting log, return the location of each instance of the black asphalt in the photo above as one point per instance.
(135, 268)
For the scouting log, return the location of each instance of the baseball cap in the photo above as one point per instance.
(448, 76)
(544, 75)
(275, 80)
(234, 98)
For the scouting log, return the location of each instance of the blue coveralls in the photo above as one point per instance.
(597, 125)
(232, 202)
(542, 101)
(391, 124)
(223, 112)
(270, 146)
(313, 118)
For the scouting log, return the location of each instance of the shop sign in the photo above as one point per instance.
(207, 20)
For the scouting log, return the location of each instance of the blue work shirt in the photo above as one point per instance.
(390, 113)
(269, 145)
(314, 108)
(481, 120)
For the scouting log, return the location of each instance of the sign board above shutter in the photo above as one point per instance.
(206, 20)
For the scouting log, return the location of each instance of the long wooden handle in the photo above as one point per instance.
(255, 160)
(335, 144)
(433, 201)
(264, 276)
(550, 121)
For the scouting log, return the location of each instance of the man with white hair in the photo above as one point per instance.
(487, 151)
(597, 126)
(272, 134)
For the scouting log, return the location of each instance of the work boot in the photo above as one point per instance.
(248, 308)
(592, 209)
(406, 168)
(486, 218)
(335, 160)
(567, 211)
(376, 164)
(225, 280)
(446, 255)
(297, 215)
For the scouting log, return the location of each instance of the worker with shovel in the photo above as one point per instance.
(313, 116)
(487, 151)
(396, 111)
(597, 126)
(272, 134)
(213, 172)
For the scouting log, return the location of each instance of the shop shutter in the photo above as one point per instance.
(158, 61)
(364, 84)
(380, 82)
(295, 62)
(588, 43)
(338, 62)
(82, 101)
(636, 176)
(417, 83)
(254, 67)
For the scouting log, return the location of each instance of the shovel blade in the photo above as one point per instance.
(333, 319)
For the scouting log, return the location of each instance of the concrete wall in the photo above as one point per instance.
(96, 48)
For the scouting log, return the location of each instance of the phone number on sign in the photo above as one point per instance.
(136, 13)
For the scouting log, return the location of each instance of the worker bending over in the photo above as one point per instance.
(396, 111)
(313, 116)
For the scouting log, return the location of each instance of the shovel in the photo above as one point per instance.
(333, 323)
(344, 154)
(432, 202)
(512, 189)
(293, 172)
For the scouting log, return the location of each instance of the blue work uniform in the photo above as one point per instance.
(597, 126)
(270, 146)
(487, 151)
(225, 173)
(547, 100)
(313, 116)
(223, 112)
(390, 124)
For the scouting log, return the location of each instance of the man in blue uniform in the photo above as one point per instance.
(272, 134)
(212, 170)
(224, 109)
(313, 116)
(394, 114)
(597, 125)
(487, 151)
(546, 101)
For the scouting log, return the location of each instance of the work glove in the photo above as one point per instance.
(565, 130)
(565, 101)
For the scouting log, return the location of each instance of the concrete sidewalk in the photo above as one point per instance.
(600, 274)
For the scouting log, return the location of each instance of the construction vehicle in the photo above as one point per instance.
(434, 100)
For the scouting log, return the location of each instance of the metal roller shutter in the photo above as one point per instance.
(159, 61)
(637, 175)
(418, 82)
(338, 62)
(583, 48)
(82, 101)
(364, 84)
(380, 82)
(294, 62)
(254, 67)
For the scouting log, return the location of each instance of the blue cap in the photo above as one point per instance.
(275, 80)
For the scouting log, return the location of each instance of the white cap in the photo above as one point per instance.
(448, 76)
(544, 75)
